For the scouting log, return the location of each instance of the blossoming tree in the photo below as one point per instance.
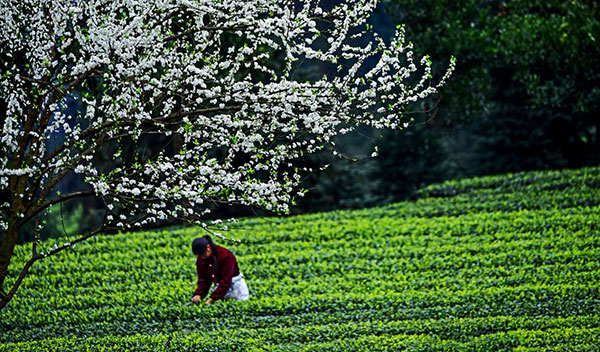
(219, 75)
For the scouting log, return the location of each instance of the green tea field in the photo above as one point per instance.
(498, 263)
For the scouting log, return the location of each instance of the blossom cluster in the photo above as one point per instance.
(218, 75)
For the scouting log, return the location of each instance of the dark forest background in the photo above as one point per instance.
(525, 96)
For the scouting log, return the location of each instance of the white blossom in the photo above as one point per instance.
(147, 69)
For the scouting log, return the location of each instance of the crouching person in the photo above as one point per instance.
(217, 264)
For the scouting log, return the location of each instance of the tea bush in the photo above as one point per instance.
(505, 262)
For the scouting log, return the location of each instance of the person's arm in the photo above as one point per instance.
(203, 284)
(226, 273)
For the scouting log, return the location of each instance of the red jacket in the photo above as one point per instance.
(227, 267)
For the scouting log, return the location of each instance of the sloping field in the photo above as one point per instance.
(496, 263)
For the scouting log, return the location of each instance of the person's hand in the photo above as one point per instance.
(210, 301)
(196, 299)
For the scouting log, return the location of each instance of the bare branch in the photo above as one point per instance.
(35, 257)
(61, 199)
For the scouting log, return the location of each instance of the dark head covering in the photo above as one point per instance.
(200, 243)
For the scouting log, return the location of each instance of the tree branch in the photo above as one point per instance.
(204, 28)
(35, 257)
(199, 111)
(6, 298)
(78, 80)
(56, 201)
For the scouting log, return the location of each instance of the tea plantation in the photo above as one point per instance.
(495, 263)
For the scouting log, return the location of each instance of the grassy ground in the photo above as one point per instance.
(507, 262)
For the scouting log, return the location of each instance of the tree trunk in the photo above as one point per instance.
(17, 184)
(6, 249)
